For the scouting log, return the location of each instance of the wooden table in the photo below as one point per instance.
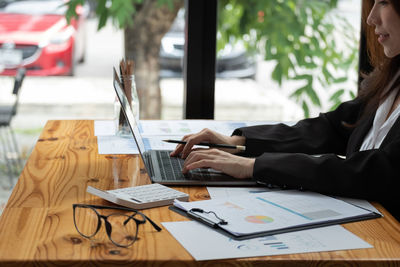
(37, 224)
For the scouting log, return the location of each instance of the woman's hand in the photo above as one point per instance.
(206, 135)
(236, 166)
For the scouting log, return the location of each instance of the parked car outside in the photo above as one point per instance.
(35, 35)
(232, 62)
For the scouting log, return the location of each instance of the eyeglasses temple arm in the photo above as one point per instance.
(158, 228)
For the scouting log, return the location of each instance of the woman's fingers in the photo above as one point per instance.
(201, 162)
(198, 155)
(179, 148)
(194, 139)
(206, 158)
(177, 151)
(205, 135)
(204, 163)
(233, 165)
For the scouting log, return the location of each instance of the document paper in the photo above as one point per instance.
(205, 244)
(110, 143)
(154, 131)
(116, 145)
(269, 211)
(217, 192)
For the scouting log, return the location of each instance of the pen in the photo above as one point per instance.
(241, 148)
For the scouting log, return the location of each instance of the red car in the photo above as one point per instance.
(35, 35)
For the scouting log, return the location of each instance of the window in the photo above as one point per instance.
(285, 87)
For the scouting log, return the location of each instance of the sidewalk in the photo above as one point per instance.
(50, 98)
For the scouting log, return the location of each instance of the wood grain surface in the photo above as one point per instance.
(37, 226)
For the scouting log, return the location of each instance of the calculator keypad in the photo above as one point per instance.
(148, 193)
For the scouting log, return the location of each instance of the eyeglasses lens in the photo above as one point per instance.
(124, 229)
(86, 221)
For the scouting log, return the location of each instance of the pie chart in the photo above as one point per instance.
(260, 219)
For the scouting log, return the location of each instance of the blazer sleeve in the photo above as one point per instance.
(371, 174)
(284, 157)
(326, 133)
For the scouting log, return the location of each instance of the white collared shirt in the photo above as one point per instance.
(381, 125)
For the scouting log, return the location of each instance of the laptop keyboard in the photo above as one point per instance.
(171, 168)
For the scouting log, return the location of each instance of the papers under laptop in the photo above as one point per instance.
(164, 169)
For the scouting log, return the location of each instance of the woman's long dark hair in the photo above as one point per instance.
(374, 83)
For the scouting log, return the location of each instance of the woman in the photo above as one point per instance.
(365, 130)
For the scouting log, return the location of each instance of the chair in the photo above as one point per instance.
(10, 150)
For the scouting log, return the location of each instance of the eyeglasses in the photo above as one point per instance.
(121, 228)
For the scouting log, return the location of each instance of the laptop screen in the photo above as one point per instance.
(128, 114)
(156, 176)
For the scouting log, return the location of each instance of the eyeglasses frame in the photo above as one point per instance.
(107, 223)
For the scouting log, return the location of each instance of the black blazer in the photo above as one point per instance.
(285, 156)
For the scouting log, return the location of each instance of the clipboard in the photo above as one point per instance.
(220, 228)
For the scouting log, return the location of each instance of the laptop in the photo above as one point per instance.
(167, 170)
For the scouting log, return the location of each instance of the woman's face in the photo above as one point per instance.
(387, 26)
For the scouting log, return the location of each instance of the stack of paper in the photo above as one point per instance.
(154, 131)
(273, 212)
(255, 218)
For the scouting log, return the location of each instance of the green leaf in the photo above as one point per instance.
(306, 77)
(168, 3)
(101, 6)
(277, 73)
(328, 76)
(71, 9)
(313, 95)
(336, 96)
(335, 105)
(285, 65)
(102, 19)
(340, 80)
(296, 94)
(306, 110)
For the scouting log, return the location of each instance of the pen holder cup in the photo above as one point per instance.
(121, 123)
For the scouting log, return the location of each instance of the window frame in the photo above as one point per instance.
(199, 62)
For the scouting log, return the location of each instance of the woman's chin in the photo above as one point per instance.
(390, 53)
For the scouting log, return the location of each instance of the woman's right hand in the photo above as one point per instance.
(206, 135)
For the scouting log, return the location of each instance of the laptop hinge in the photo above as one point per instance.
(148, 162)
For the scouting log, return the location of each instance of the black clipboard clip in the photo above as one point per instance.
(193, 214)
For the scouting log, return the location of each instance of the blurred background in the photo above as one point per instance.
(277, 60)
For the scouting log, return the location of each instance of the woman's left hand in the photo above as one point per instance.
(236, 166)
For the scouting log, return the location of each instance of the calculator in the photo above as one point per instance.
(140, 197)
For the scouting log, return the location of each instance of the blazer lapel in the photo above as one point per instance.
(358, 135)
(393, 132)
